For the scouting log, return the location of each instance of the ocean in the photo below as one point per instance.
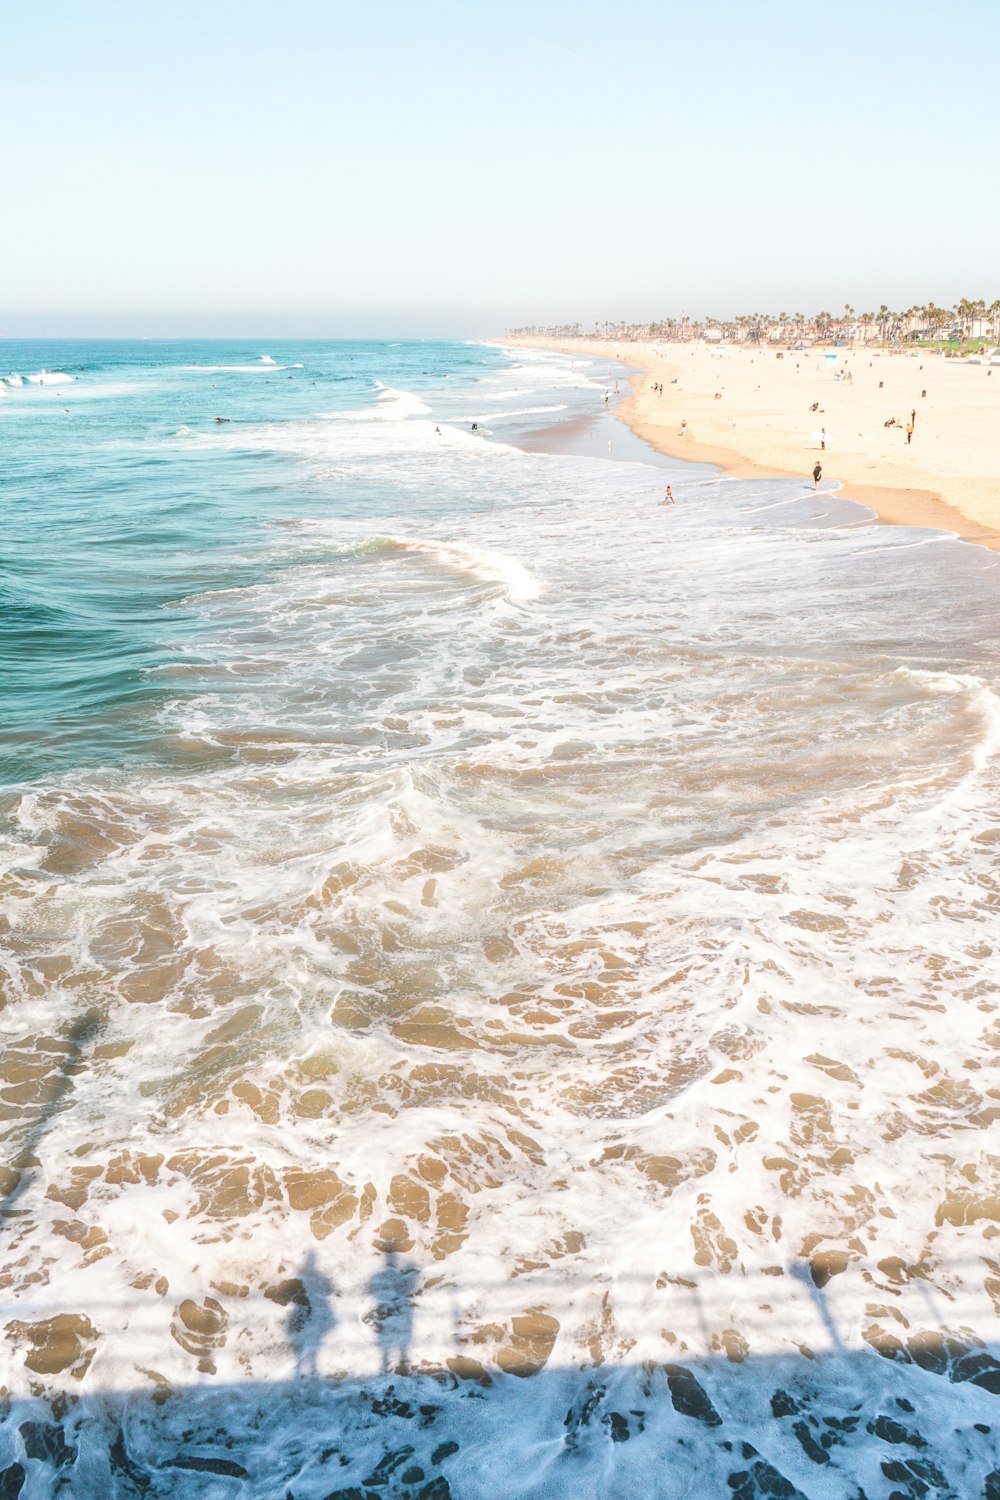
(499, 976)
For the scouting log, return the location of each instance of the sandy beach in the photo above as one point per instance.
(761, 422)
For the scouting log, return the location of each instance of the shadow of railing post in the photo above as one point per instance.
(80, 1037)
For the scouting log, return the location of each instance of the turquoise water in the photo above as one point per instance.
(109, 524)
(499, 976)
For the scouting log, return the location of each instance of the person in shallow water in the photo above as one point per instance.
(817, 475)
(668, 497)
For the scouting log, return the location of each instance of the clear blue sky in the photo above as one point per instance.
(380, 167)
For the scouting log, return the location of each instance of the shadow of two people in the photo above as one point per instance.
(312, 1313)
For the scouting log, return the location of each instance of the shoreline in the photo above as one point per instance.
(900, 504)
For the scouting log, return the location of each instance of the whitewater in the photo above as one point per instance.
(499, 977)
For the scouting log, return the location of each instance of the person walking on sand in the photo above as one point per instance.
(817, 475)
(909, 433)
(822, 438)
(684, 427)
(668, 498)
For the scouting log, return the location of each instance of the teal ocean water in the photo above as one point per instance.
(499, 976)
(112, 521)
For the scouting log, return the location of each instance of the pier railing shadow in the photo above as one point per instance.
(20, 1159)
(397, 1402)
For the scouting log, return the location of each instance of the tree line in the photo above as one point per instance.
(969, 318)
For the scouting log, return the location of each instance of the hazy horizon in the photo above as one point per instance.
(229, 172)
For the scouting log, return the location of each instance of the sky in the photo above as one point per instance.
(382, 168)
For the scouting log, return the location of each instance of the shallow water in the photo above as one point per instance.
(476, 940)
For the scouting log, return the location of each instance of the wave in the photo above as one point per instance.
(49, 377)
(980, 703)
(518, 583)
(265, 363)
(392, 406)
(520, 411)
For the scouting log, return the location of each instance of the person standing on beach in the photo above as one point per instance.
(817, 475)
(822, 437)
(909, 433)
(684, 426)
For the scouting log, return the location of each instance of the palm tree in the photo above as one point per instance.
(964, 311)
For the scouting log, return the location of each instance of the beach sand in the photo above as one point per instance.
(948, 477)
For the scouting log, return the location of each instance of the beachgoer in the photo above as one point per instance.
(668, 498)
(475, 426)
(438, 431)
(817, 475)
(684, 427)
(913, 417)
(822, 437)
(909, 433)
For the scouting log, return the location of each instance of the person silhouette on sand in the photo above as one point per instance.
(817, 476)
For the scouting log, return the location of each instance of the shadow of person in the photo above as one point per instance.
(392, 1290)
(311, 1315)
